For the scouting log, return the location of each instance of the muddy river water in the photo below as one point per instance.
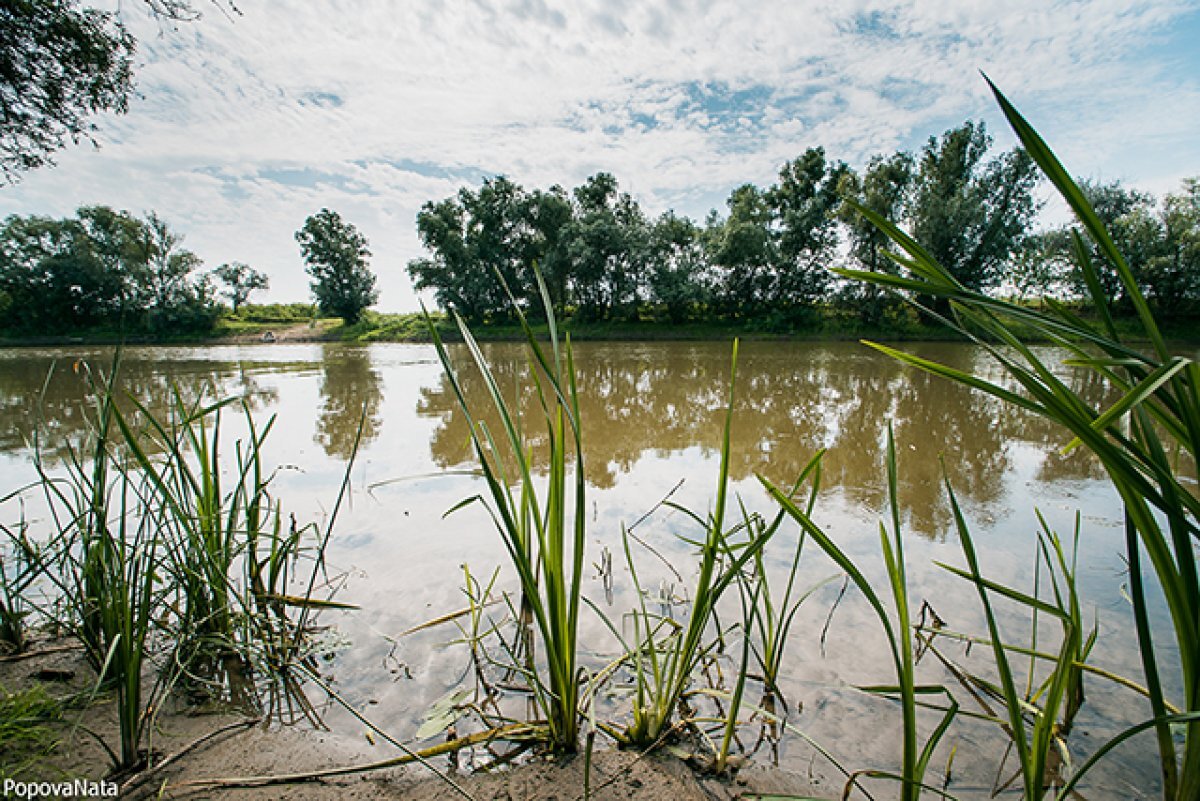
(653, 416)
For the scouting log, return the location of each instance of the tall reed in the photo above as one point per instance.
(1146, 441)
(200, 544)
(156, 554)
(21, 564)
(665, 654)
(1033, 748)
(226, 557)
(915, 757)
(108, 525)
(543, 531)
(773, 615)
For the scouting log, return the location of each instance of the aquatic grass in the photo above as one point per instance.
(915, 757)
(663, 653)
(1146, 440)
(26, 729)
(773, 616)
(750, 595)
(543, 531)
(21, 565)
(200, 543)
(108, 524)
(152, 554)
(1033, 747)
(1063, 577)
(227, 559)
(1050, 707)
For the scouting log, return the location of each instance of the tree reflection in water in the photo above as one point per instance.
(48, 389)
(792, 399)
(350, 387)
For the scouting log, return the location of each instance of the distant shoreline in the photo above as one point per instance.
(411, 328)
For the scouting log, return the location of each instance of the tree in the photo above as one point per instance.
(115, 239)
(548, 215)
(744, 251)
(103, 267)
(607, 244)
(804, 203)
(448, 272)
(59, 64)
(48, 276)
(1041, 268)
(971, 214)
(678, 278)
(336, 255)
(167, 266)
(500, 229)
(240, 280)
(1172, 275)
(885, 189)
(1129, 216)
(498, 243)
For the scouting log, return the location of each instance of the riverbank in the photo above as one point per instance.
(218, 753)
(411, 327)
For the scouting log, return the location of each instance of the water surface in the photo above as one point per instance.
(653, 415)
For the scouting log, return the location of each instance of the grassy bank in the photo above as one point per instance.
(297, 322)
(823, 325)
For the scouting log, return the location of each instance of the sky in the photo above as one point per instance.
(246, 123)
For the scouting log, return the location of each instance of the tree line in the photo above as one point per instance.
(767, 257)
(107, 269)
(111, 271)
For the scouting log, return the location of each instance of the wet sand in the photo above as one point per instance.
(219, 755)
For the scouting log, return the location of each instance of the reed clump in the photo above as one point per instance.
(1147, 442)
(543, 530)
(166, 575)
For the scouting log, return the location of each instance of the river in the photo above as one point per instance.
(653, 416)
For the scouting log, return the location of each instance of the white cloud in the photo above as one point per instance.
(247, 125)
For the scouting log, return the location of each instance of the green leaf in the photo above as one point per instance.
(443, 714)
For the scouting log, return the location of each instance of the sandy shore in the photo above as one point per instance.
(219, 755)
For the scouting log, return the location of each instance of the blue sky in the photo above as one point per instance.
(244, 125)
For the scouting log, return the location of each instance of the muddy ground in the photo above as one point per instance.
(203, 754)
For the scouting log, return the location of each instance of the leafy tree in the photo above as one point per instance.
(1041, 268)
(440, 227)
(498, 229)
(336, 255)
(678, 275)
(773, 250)
(969, 213)
(48, 277)
(168, 289)
(804, 203)
(884, 188)
(607, 244)
(1129, 216)
(116, 239)
(1172, 275)
(103, 267)
(499, 242)
(59, 64)
(744, 250)
(240, 280)
(548, 214)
